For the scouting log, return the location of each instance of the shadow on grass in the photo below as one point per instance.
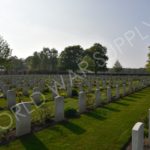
(58, 130)
(73, 127)
(95, 115)
(111, 109)
(130, 99)
(121, 103)
(31, 142)
(136, 95)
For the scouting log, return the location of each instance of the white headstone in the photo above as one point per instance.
(23, 119)
(124, 89)
(69, 90)
(82, 102)
(11, 98)
(108, 94)
(138, 136)
(59, 108)
(117, 91)
(97, 98)
(36, 97)
(149, 125)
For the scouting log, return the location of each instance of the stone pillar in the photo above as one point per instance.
(59, 108)
(23, 118)
(11, 98)
(97, 98)
(108, 94)
(138, 136)
(82, 102)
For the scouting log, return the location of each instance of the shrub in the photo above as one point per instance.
(89, 100)
(74, 93)
(46, 90)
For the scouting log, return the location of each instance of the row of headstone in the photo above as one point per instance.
(40, 81)
(22, 112)
(23, 109)
(11, 95)
(131, 89)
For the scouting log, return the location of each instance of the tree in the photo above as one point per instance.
(54, 59)
(46, 60)
(148, 61)
(117, 66)
(5, 52)
(71, 57)
(87, 64)
(36, 61)
(28, 62)
(16, 65)
(98, 54)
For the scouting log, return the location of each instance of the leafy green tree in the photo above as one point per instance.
(54, 59)
(117, 66)
(28, 62)
(46, 60)
(49, 59)
(5, 52)
(148, 61)
(71, 57)
(87, 64)
(16, 65)
(98, 54)
(36, 61)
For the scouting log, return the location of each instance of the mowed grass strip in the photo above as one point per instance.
(107, 128)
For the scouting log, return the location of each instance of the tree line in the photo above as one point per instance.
(74, 58)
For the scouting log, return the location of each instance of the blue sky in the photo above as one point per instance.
(123, 26)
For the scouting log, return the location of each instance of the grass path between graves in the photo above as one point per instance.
(107, 128)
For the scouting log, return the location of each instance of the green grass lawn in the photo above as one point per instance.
(107, 128)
